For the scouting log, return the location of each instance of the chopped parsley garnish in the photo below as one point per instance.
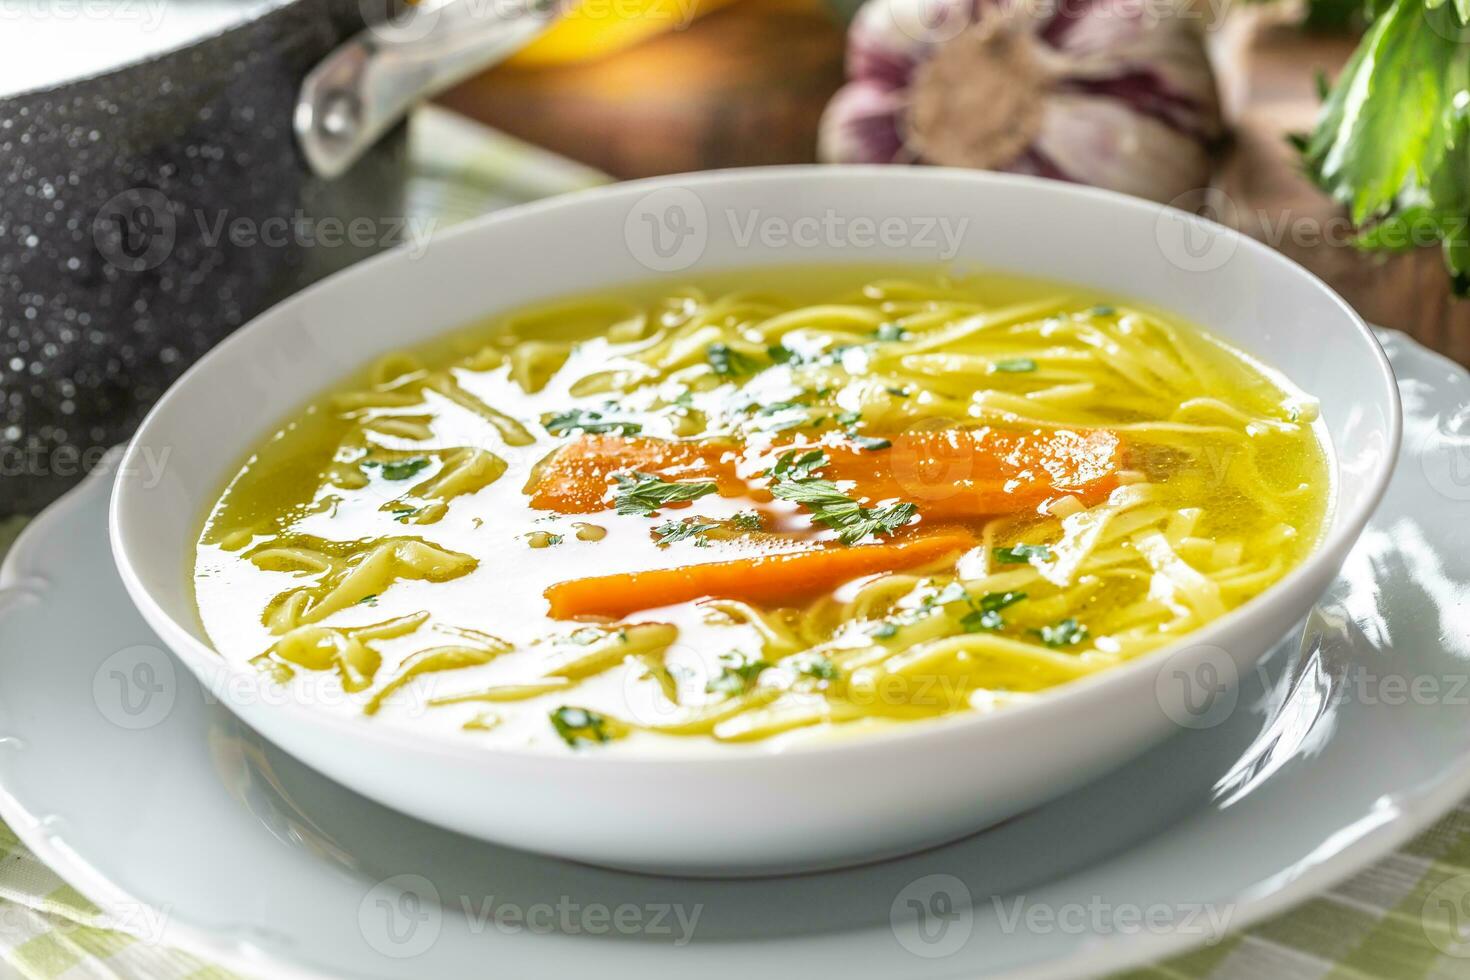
(589, 421)
(749, 520)
(399, 469)
(891, 331)
(832, 507)
(671, 531)
(781, 354)
(729, 362)
(1102, 310)
(642, 494)
(737, 675)
(982, 620)
(1067, 633)
(884, 631)
(371, 599)
(1014, 365)
(795, 480)
(402, 514)
(870, 443)
(849, 418)
(1021, 554)
(795, 464)
(820, 668)
(576, 725)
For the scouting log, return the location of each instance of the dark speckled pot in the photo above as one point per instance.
(147, 212)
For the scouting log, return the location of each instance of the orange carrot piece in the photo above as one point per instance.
(958, 473)
(949, 473)
(575, 479)
(769, 579)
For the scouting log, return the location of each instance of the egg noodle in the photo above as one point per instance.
(804, 509)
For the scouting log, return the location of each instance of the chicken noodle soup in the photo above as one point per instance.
(775, 504)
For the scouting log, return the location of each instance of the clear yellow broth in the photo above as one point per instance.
(380, 556)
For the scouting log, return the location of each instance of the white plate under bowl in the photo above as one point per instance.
(158, 804)
(823, 803)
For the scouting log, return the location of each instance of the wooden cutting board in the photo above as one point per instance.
(745, 86)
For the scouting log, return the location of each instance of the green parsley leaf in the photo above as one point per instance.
(1021, 554)
(589, 421)
(977, 620)
(1102, 310)
(884, 631)
(1014, 365)
(642, 494)
(820, 668)
(749, 520)
(1067, 633)
(402, 514)
(870, 443)
(891, 332)
(671, 531)
(399, 469)
(996, 601)
(794, 464)
(1392, 141)
(736, 676)
(729, 362)
(576, 725)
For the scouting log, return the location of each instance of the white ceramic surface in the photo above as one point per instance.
(819, 805)
(154, 801)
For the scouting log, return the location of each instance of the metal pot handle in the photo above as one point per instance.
(363, 88)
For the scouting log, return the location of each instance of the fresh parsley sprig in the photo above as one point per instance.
(642, 493)
(794, 479)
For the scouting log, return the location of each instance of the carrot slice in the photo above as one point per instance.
(771, 579)
(575, 479)
(948, 473)
(958, 473)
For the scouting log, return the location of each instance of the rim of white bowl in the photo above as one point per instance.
(1343, 530)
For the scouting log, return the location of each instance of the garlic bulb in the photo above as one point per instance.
(1114, 93)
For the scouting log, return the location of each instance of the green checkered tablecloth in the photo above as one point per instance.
(1370, 927)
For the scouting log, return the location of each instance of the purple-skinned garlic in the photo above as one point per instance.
(1113, 93)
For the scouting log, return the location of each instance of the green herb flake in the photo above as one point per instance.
(870, 443)
(1067, 633)
(884, 631)
(890, 332)
(1022, 554)
(399, 469)
(795, 464)
(982, 620)
(402, 514)
(749, 520)
(577, 725)
(1014, 365)
(1103, 310)
(589, 421)
(643, 494)
(671, 531)
(371, 599)
(736, 676)
(729, 362)
(819, 668)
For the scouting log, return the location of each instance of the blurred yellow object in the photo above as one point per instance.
(595, 28)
